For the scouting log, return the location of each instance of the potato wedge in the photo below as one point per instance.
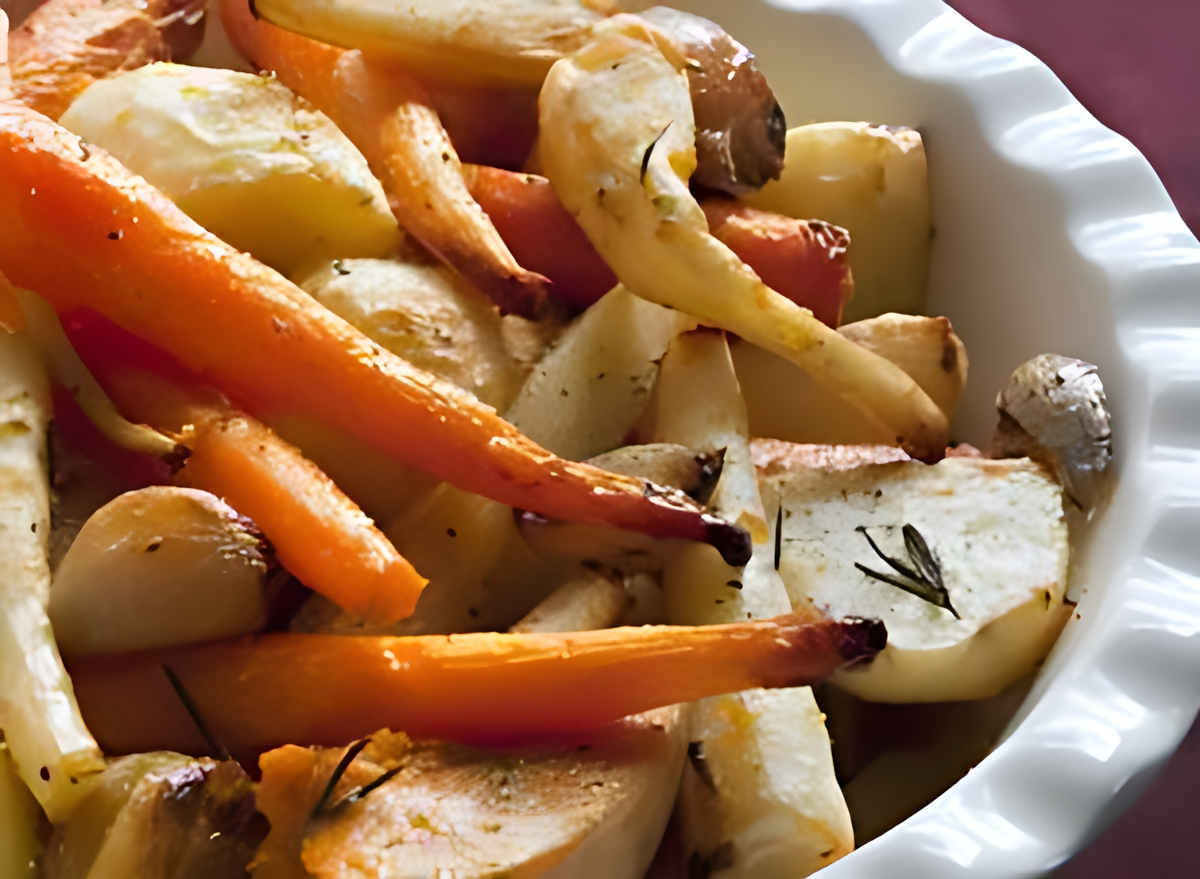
(871, 179)
(997, 534)
(156, 567)
(244, 157)
(785, 403)
(759, 794)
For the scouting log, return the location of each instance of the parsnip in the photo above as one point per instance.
(617, 140)
(243, 156)
(871, 179)
(53, 750)
(155, 567)
(785, 403)
(759, 793)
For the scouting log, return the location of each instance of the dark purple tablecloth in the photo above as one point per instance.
(1136, 66)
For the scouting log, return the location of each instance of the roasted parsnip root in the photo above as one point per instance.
(617, 142)
(513, 41)
(67, 231)
(20, 831)
(261, 692)
(51, 747)
(760, 783)
(66, 45)
(390, 118)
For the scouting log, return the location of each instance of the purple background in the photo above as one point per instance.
(1136, 66)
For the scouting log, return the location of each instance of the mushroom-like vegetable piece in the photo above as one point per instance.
(1054, 410)
(740, 128)
(156, 567)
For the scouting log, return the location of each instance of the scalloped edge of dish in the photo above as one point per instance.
(1116, 699)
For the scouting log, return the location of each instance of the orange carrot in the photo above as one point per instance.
(66, 45)
(80, 230)
(804, 260)
(389, 117)
(260, 692)
(318, 534)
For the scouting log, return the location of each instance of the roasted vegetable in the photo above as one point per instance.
(1054, 410)
(245, 158)
(66, 45)
(159, 816)
(966, 560)
(759, 794)
(266, 343)
(871, 179)
(264, 691)
(157, 567)
(20, 822)
(616, 140)
(53, 751)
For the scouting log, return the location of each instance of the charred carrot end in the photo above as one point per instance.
(83, 232)
(804, 260)
(259, 693)
(319, 534)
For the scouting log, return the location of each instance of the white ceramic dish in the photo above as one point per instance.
(1052, 234)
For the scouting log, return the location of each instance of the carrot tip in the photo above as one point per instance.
(731, 541)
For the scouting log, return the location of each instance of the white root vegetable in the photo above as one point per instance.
(759, 796)
(432, 318)
(54, 753)
(872, 180)
(482, 574)
(617, 142)
(157, 567)
(590, 601)
(785, 403)
(998, 541)
(502, 41)
(244, 157)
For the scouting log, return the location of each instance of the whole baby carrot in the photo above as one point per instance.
(269, 690)
(82, 231)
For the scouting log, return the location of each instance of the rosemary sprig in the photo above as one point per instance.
(650, 151)
(214, 746)
(355, 795)
(338, 771)
(923, 579)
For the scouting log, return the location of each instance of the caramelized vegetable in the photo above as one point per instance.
(389, 117)
(805, 260)
(262, 692)
(66, 45)
(83, 232)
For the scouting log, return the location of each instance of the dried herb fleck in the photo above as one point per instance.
(922, 577)
(214, 746)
